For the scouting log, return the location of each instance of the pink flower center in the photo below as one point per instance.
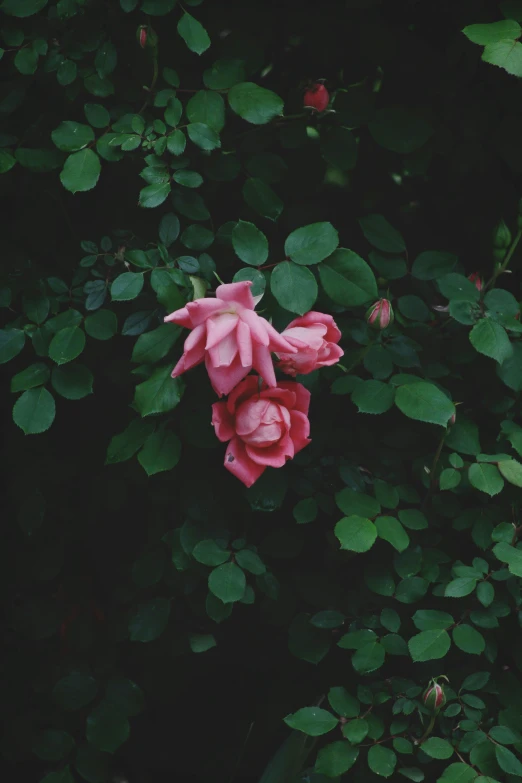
(260, 423)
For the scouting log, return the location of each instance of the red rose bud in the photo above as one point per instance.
(452, 421)
(476, 278)
(142, 36)
(380, 314)
(147, 37)
(434, 697)
(316, 97)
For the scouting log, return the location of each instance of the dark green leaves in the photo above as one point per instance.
(373, 397)
(159, 394)
(154, 195)
(486, 478)
(294, 287)
(254, 104)
(336, 759)
(382, 760)
(81, 171)
(424, 402)
(311, 244)
(400, 130)
(429, 645)
(193, 33)
(153, 346)
(126, 286)
(381, 234)
(11, 343)
(490, 338)
(262, 198)
(313, 721)
(506, 55)
(227, 582)
(161, 451)
(67, 344)
(437, 748)
(34, 411)
(355, 533)
(347, 278)
(249, 243)
(107, 727)
(72, 136)
(22, 8)
(493, 32)
(75, 690)
(149, 621)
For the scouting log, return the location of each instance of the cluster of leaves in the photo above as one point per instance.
(388, 551)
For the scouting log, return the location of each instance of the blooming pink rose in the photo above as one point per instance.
(265, 427)
(229, 336)
(315, 335)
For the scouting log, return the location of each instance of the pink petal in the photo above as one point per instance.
(302, 395)
(244, 341)
(224, 379)
(224, 353)
(275, 456)
(237, 292)
(222, 422)
(284, 396)
(196, 337)
(240, 465)
(245, 389)
(311, 336)
(277, 342)
(181, 317)
(300, 430)
(179, 369)
(218, 327)
(249, 415)
(257, 326)
(331, 355)
(201, 309)
(262, 363)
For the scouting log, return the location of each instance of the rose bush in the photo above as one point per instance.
(329, 201)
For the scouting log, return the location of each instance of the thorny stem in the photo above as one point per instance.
(503, 266)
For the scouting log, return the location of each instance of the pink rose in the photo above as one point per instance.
(315, 336)
(265, 426)
(229, 336)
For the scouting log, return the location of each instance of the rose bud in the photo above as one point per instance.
(142, 36)
(434, 697)
(316, 97)
(501, 235)
(380, 314)
(147, 37)
(315, 335)
(452, 421)
(476, 278)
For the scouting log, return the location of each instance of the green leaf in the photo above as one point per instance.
(490, 339)
(249, 243)
(429, 645)
(155, 345)
(449, 479)
(53, 745)
(158, 394)
(34, 411)
(437, 748)
(126, 696)
(508, 554)
(511, 470)
(485, 593)
(11, 343)
(201, 642)
(352, 502)
(343, 703)
(176, 142)
(149, 621)
(107, 728)
(261, 198)
(493, 32)
(339, 148)
(250, 561)
(369, 657)
(305, 511)
(7, 161)
(354, 640)
(454, 286)
(486, 478)
(463, 436)
(227, 582)
(97, 115)
(432, 264)
(203, 136)
(224, 74)
(413, 519)
(336, 759)
(468, 639)
(306, 641)
(313, 721)
(294, 287)
(127, 443)
(329, 618)
(207, 107)
(432, 619)
(101, 325)
(505, 54)
(72, 136)
(22, 8)
(475, 682)
(390, 620)
(74, 691)
(510, 371)
(460, 587)
(38, 160)
(347, 279)
(400, 130)
(72, 381)
(311, 244)
(255, 104)
(210, 553)
(424, 402)
(391, 530)
(164, 283)
(356, 730)
(189, 179)
(81, 171)
(30, 378)
(382, 760)
(258, 279)
(507, 761)
(67, 344)
(355, 533)
(126, 286)
(154, 195)
(106, 59)
(161, 451)
(381, 234)
(373, 397)
(169, 229)
(193, 33)
(458, 773)
(26, 61)
(504, 735)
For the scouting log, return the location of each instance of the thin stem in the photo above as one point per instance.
(428, 731)
(433, 475)
(155, 74)
(503, 266)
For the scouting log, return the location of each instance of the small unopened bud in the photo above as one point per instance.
(143, 37)
(452, 420)
(317, 97)
(499, 254)
(146, 37)
(474, 277)
(380, 314)
(434, 697)
(501, 235)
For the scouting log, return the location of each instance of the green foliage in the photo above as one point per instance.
(142, 581)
